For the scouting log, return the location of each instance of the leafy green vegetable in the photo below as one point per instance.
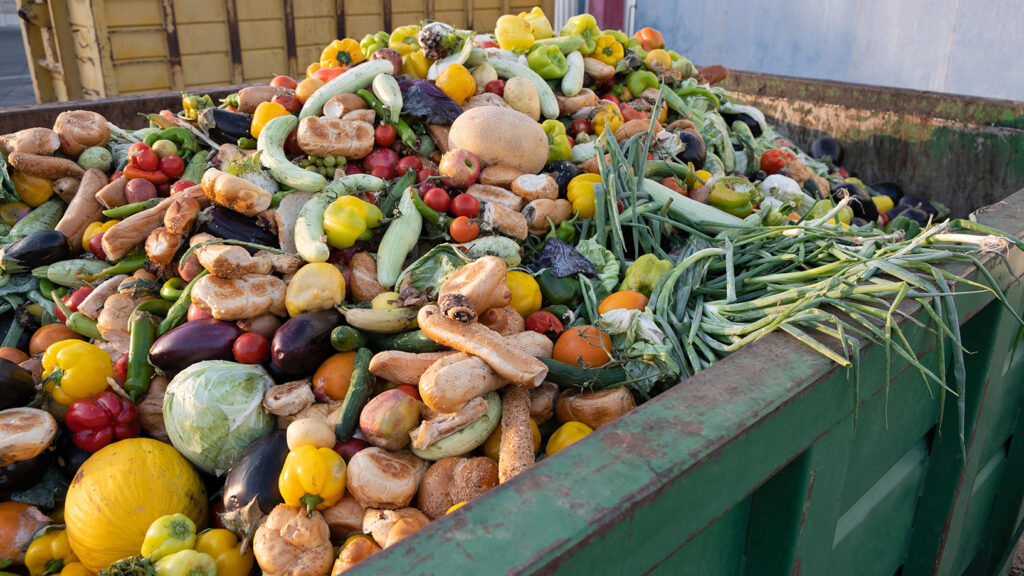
(431, 269)
(605, 265)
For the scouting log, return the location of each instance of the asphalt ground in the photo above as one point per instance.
(15, 81)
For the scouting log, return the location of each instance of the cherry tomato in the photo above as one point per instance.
(775, 159)
(545, 323)
(142, 157)
(290, 102)
(410, 390)
(121, 366)
(291, 144)
(382, 172)
(437, 199)
(384, 135)
(284, 82)
(672, 184)
(354, 168)
(495, 87)
(409, 163)
(96, 246)
(579, 126)
(611, 98)
(195, 313)
(172, 165)
(251, 348)
(181, 186)
(465, 205)
(425, 173)
(463, 229)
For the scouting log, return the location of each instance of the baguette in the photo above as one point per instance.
(404, 367)
(515, 454)
(49, 167)
(112, 195)
(486, 194)
(335, 137)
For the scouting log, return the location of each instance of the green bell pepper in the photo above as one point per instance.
(187, 563)
(909, 227)
(619, 36)
(373, 42)
(641, 80)
(558, 290)
(182, 138)
(558, 140)
(636, 47)
(643, 274)
(730, 201)
(584, 26)
(548, 62)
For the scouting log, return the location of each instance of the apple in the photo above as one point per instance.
(459, 168)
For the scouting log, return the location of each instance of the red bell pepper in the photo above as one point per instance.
(544, 322)
(97, 421)
(154, 176)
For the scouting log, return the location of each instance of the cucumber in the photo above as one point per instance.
(506, 69)
(413, 341)
(347, 338)
(584, 378)
(399, 239)
(572, 82)
(309, 229)
(359, 77)
(270, 147)
(470, 437)
(567, 44)
(356, 397)
(386, 89)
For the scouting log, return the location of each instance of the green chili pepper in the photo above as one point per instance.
(177, 313)
(547, 61)
(130, 209)
(558, 290)
(171, 289)
(698, 91)
(47, 288)
(143, 333)
(154, 306)
(387, 205)
(126, 265)
(401, 126)
(246, 143)
(558, 140)
(641, 80)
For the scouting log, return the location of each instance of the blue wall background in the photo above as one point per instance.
(971, 47)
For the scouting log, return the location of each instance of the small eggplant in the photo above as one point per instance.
(70, 457)
(694, 149)
(915, 214)
(755, 127)
(889, 189)
(860, 200)
(562, 171)
(17, 387)
(24, 473)
(223, 126)
(303, 342)
(224, 223)
(195, 341)
(40, 248)
(827, 147)
(251, 485)
(920, 203)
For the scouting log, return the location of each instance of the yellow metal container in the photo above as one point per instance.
(101, 48)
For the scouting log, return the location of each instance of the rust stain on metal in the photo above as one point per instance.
(289, 37)
(339, 21)
(796, 567)
(234, 41)
(173, 48)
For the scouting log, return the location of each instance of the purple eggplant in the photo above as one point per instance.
(302, 343)
(195, 341)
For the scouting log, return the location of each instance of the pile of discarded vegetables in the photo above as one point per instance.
(321, 314)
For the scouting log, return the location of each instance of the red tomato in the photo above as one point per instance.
(291, 144)
(96, 246)
(775, 159)
(181, 186)
(465, 205)
(572, 141)
(410, 390)
(611, 98)
(121, 366)
(251, 348)
(290, 103)
(579, 126)
(671, 184)
(437, 199)
(545, 323)
(284, 82)
(382, 172)
(384, 135)
(73, 301)
(194, 313)
(172, 165)
(325, 75)
(409, 163)
(495, 87)
(425, 173)
(463, 229)
(142, 157)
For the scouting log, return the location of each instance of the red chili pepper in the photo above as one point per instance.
(156, 176)
(546, 323)
(97, 421)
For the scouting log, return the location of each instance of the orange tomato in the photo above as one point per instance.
(583, 346)
(48, 334)
(650, 39)
(334, 375)
(13, 354)
(306, 88)
(623, 300)
(327, 74)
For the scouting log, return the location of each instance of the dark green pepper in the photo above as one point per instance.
(909, 227)
(558, 141)
(547, 61)
(558, 290)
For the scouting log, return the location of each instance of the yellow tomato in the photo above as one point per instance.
(526, 296)
(566, 435)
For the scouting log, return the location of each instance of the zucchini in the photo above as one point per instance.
(584, 378)
(270, 147)
(356, 397)
(359, 77)
(572, 82)
(386, 89)
(470, 437)
(347, 338)
(506, 69)
(413, 341)
(309, 229)
(399, 239)
(567, 44)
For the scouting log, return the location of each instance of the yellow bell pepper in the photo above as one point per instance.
(341, 53)
(265, 112)
(73, 369)
(526, 297)
(540, 26)
(316, 286)
(415, 64)
(186, 563)
(566, 435)
(49, 554)
(606, 112)
(403, 40)
(312, 477)
(312, 68)
(349, 219)
(457, 82)
(167, 535)
(584, 26)
(608, 50)
(94, 229)
(75, 569)
(513, 33)
(580, 193)
(225, 549)
(32, 190)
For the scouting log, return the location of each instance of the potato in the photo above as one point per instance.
(522, 96)
(501, 135)
(139, 190)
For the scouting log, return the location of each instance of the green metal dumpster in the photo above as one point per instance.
(776, 461)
